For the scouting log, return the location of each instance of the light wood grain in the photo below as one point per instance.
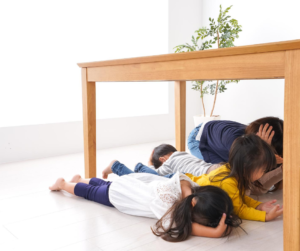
(291, 152)
(240, 50)
(89, 124)
(180, 114)
(253, 66)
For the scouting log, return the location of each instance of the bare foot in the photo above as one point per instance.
(107, 170)
(76, 179)
(57, 185)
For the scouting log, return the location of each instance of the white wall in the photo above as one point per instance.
(263, 22)
(40, 80)
(39, 141)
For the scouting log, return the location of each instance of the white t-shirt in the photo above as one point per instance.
(144, 194)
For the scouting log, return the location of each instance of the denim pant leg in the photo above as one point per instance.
(193, 144)
(140, 168)
(120, 169)
(170, 175)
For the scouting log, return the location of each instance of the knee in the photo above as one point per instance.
(138, 167)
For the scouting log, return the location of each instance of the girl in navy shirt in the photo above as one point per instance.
(211, 141)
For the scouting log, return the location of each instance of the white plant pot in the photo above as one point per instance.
(201, 119)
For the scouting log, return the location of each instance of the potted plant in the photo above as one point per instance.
(221, 33)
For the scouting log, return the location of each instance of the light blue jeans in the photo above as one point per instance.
(193, 144)
(120, 169)
(140, 168)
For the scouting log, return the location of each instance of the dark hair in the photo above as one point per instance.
(160, 151)
(211, 203)
(277, 124)
(248, 154)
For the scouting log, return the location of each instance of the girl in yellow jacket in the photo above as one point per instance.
(249, 158)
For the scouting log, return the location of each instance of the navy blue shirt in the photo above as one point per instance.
(217, 138)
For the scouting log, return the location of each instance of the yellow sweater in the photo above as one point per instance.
(245, 210)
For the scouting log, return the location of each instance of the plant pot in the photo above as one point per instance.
(201, 119)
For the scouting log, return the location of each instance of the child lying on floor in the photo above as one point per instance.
(167, 160)
(249, 158)
(182, 207)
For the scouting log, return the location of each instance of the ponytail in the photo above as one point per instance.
(176, 224)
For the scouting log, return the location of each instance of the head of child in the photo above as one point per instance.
(204, 206)
(277, 127)
(161, 154)
(249, 158)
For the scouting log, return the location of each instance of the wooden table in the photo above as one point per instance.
(263, 61)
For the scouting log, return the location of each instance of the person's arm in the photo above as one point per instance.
(150, 159)
(245, 210)
(251, 202)
(204, 231)
(167, 167)
(266, 133)
(272, 211)
(186, 188)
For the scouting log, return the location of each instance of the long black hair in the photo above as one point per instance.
(211, 203)
(277, 124)
(248, 154)
(160, 151)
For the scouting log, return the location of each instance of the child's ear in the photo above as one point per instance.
(162, 159)
(194, 201)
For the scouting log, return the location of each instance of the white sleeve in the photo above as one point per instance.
(184, 177)
(168, 191)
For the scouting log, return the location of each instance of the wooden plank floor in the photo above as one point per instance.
(33, 218)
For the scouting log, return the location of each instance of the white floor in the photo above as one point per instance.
(33, 218)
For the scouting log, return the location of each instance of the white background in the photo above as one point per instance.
(42, 42)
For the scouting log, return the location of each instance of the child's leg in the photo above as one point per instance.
(117, 168)
(78, 179)
(61, 184)
(96, 191)
(193, 144)
(140, 168)
(170, 175)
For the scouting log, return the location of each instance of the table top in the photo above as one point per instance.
(238, 50)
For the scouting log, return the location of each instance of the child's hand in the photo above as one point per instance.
(266, 206)
(279, 160)
(265, 133)
(205, 231)
(150, 159)
(221, 228)
(274, 213)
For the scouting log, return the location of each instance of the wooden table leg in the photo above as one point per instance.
(180, 114)
(89, 124)
(291, 153)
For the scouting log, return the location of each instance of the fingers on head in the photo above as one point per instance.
(223, 218)
(265, 127)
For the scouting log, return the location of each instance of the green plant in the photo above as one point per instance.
(222, 33)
